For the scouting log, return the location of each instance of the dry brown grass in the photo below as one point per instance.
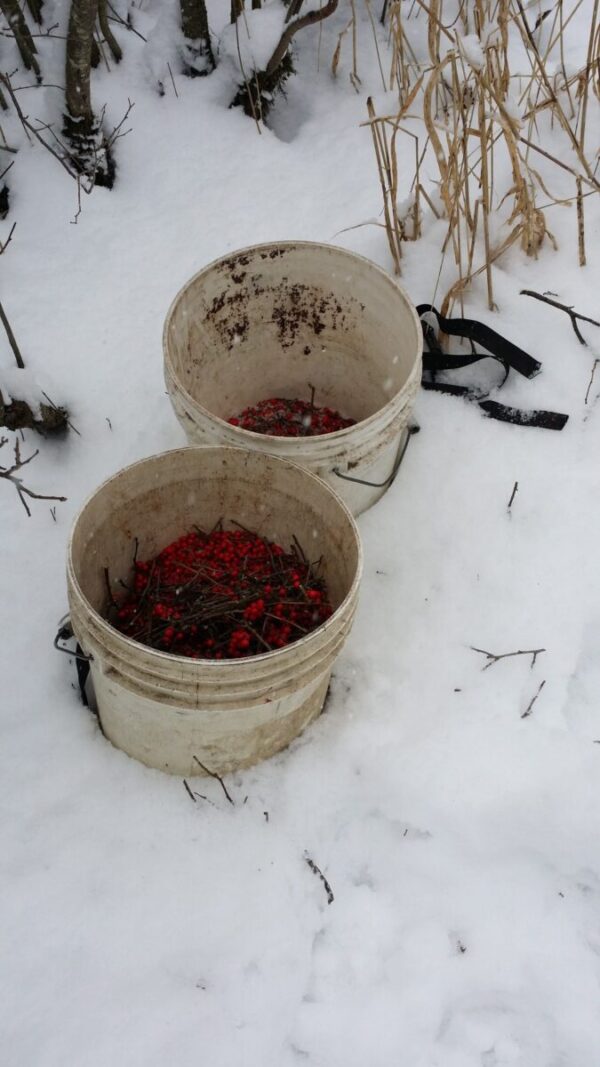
(465, 97)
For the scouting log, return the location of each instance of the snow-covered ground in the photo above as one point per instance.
(459, 838)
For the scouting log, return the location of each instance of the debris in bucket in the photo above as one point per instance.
(222, 595)
(281, 417)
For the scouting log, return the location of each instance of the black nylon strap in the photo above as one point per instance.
(544, 420)
(452, 390)
(499, 348)
(483, 335)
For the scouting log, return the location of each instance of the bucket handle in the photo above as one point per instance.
(65, 633)
(82, 661)
(411, 430)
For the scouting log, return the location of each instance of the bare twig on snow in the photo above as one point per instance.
(596, 362)
(10, 473)
(213, 774)
(319, 873)
(493, 658)
(529, 707)
(573, 315)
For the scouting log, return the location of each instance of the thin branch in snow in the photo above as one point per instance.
(580, 225)
(513, 495)
(11, 337)
(117, 131)
(10, 473)
(66, 160)
(596, 362)
(493, 658)
(28, 127)
(194, 794)
(189, 791)
(573, 315)
(248, 91)
(172, 80)
(38, 85)
(529, 707)
(319, 873)
(126, 23)
(60, 416)
(213, 774)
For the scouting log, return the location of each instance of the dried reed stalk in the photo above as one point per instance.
(384, 168)
(467, 119)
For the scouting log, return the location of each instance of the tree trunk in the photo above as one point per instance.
(317, 15)
(78, 98)
(293, 10)
(107, 33)
(198, 54)
(16, 20)
(88, 146)
(35, 7)
(256, 95)
(237, 6)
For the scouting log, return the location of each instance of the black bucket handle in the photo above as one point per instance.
(411, 430)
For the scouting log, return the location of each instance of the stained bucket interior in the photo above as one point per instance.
(278, 320)
(162, 497)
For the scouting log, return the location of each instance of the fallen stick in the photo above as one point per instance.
(319, 873)
(573, 315)
(213, 774)
(529, 707)
(493, 658)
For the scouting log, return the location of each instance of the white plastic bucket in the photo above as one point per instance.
(164, 709)
(276, 319)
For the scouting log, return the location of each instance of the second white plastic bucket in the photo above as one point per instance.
(282, 319)
(176, 713)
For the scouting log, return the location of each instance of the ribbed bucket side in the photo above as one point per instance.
(279, 319)
(234, 711)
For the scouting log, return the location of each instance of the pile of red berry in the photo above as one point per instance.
(222, 595)
(290, 418)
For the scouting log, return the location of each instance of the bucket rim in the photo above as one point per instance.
(242, 661)
(337, 435)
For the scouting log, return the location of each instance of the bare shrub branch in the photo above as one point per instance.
(11, 474)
